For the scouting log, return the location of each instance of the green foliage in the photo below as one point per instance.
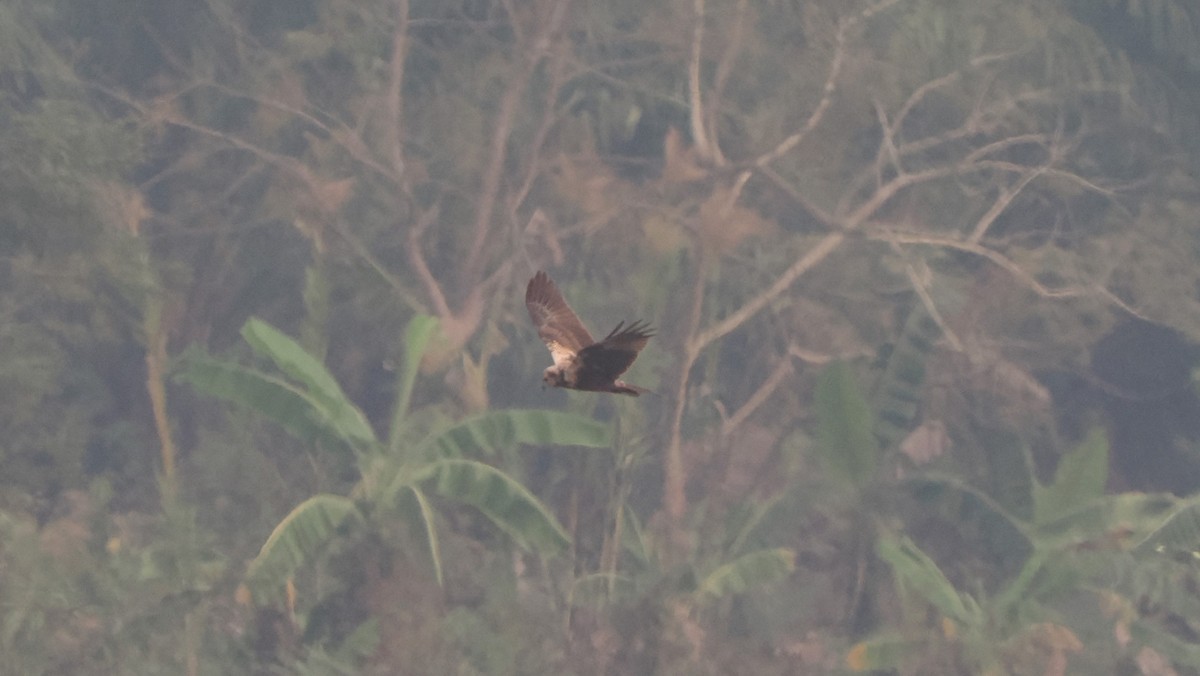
(390, 481)
(328, 403)
(421, 329)
(187, 167)
(285, 404)
(898, 393)
(845, 427)
(347, 659)
(917, 574)
(509, 505)
(984, 631)
(1180, 532)
(1079, 479)
(1112, 514)
(750, 570)
(299, 538)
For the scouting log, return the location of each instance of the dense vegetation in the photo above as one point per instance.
(924, 272)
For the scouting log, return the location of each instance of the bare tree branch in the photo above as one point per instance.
(703, 145)
(831, 78)
(815, 255)
(415, 257)
(1007, 264)
(502, 129)
(395, 90)
(1005, 198)
(779, 373)
(724, 69)
(550, 117)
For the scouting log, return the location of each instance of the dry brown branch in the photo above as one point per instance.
(432, 289)
(1005, 198)
(346, 138)
(550, 117)
(1052, 172)
(920, 284)
(778, 374)
(356, 245)
(815, 255)
(818, 253)
(887, 144)
(918, 95)
(674, 470)
(830, 86)
(1006, 143)
(1116, 300)
(1005, 263)
(980, 121)
(703, 145)
(798, 197)
(501, 130)
(395, 90)
(721, 78)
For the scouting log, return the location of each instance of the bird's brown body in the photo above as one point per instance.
(580, 362)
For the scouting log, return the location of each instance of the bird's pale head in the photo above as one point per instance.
(554, 376)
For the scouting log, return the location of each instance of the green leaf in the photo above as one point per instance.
(1180, 532)
(297, 540)
(749, 570)
(915, 571)
(416, 338)
(415, 508)
(1105, 516)
(897, 396)
(1080, 478)
(318, 383)
(490, 432)
(1020, 590)
(633, 536)
(271, 397)
(845, 426)
(505, 501)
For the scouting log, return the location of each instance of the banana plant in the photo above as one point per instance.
(1067, 519)
(397, 475)
(1075, 531)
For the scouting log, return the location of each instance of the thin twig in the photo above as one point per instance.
(724, 69)
(550, 117)
(699, 134)
(798, 197)
(992, 255)
(802, 265)
(835, 67)
(1005, 198)
(440, 306)
(502, 129)
(395, 90)
(781, 371)
(361, 250)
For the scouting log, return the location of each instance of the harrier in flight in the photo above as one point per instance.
(581, 363)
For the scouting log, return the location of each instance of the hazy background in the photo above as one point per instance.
(924, 275)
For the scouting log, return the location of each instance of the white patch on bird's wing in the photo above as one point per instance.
(561, 355)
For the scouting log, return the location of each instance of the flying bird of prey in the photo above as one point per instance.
(581, 363)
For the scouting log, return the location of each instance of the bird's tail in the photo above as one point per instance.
(622, 387)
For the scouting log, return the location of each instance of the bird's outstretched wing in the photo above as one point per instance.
(557, 325)
(609, 358)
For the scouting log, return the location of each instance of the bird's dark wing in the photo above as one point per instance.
(602, 362)
(557, 325)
